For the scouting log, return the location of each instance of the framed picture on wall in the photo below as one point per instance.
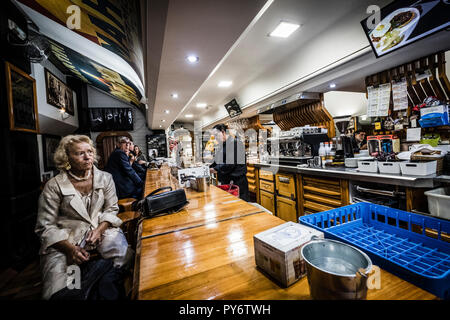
(58, 93)
(49, 145)
(22, 103)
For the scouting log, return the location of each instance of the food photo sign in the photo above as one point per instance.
(405, 21)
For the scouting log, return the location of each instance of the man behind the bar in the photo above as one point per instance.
(229, 161)
(358, 141)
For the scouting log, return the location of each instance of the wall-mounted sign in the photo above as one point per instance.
(233, 108)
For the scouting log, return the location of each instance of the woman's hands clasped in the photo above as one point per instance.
(94, 237)
(77, 256)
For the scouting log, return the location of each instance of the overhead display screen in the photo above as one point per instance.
(405, 21)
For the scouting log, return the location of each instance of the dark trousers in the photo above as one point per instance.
(99, 281)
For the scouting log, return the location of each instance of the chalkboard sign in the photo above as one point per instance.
(22, 104)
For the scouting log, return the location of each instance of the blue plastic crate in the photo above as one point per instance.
(395, 240)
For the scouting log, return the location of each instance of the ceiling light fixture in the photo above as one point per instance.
(160, 126)
(332, 85)
(174, 95)
(166, 111)
(192, 59)
(284, 29)
(201, 105)
(224, 84)
(163, 120)
(189, 116)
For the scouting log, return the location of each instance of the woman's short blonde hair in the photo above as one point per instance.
(61, 157)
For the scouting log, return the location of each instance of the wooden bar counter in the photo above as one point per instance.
(205, 251)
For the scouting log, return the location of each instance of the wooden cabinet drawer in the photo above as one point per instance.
(317, 188)
(252, 188)
(250, 175)
(286, 209)
(250, 169)
(267, 201)
(316, 207)
(319, 194)
(266, 186)
(266, 175)
(285, 185)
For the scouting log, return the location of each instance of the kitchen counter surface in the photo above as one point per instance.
(445, 179)
(206, 251)
(428, 181)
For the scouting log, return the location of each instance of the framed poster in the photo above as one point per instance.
(58, 93)
(49, 145)
(22, 103)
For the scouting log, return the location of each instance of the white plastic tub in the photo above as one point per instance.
(389, 167)
(418, 168)
(439, 202)
(368, 166)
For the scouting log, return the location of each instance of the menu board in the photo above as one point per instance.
(405, 21)
(378, 100)
(400, 95)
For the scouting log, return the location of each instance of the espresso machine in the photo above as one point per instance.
(297, 145)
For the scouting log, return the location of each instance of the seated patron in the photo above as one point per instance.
(137, 167)
(77, 220)
(140, 169)
(140, 156)
(128, 183)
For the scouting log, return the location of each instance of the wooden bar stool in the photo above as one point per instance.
(125, 204)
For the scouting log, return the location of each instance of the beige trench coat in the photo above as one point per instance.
(63, 216)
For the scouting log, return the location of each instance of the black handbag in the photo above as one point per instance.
(164, 203)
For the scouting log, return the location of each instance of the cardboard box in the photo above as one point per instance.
(277, 251)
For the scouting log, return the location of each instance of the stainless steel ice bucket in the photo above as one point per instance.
(336, 270)
(201, 184)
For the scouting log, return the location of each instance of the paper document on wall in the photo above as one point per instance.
(400, 95)
(378, 100)
(413, 134)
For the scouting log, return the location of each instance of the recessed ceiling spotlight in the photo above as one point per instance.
(192, 59)
(166, 111)
(189, 116)
(332, 85)
(224, 84)
(201, 105)
(160, 126)
(174, 95)
(163, 120)
(284, 29)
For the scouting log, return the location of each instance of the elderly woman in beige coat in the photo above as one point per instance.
(77, 209)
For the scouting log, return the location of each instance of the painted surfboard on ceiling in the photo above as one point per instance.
(95, 74)
(112, 24)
